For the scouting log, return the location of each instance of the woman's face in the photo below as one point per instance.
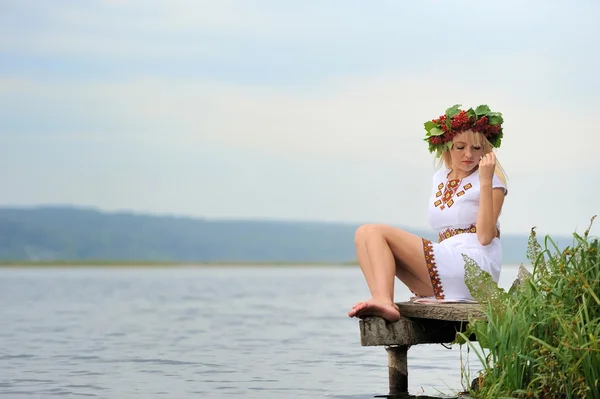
(466, 151)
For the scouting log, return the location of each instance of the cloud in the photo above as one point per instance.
(227, 30)
(311, 106)
(350, 116)
(349, 150)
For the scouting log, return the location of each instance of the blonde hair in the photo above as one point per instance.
(478, 139)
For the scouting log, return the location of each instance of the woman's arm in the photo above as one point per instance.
(490, 201)
(490, 204)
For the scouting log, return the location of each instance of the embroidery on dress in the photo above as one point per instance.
(450, 232)
(434, 276)
(450, 189)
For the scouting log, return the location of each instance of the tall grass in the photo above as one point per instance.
(541, 339)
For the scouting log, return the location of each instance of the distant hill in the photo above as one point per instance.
(68, 233)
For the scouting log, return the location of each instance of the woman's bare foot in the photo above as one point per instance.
(361, 303)
(388, 311)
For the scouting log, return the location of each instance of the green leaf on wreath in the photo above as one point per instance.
(431, 147)
(495, 118)
(436, 131)
(482, 110)
(497, 141)
(453, 111)
(430, 125)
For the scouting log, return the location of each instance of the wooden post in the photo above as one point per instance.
(398, 369)
(419, 324)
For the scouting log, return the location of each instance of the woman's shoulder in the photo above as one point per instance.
(498, 183)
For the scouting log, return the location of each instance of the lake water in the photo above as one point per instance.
(218, 332)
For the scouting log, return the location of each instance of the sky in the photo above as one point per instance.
(294, 110)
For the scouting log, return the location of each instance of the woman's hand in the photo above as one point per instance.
(487, 166)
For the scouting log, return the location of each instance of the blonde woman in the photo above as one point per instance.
(465, 203)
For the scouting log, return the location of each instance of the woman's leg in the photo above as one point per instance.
(385, 252)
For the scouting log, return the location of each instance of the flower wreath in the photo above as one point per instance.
(442, 130)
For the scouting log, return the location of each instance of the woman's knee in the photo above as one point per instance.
(365, 231)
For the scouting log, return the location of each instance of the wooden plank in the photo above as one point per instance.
(419, 324)
(375, 331)
(441, 311)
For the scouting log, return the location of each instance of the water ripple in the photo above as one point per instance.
(198, 332)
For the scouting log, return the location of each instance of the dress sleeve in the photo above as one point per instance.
(496, 183)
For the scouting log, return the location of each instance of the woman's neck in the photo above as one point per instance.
(459, 174)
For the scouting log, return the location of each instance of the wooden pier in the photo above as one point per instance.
(419, 324)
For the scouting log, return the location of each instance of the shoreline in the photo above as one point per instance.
(165, 264)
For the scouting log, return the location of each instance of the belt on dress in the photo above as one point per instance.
(449, 232)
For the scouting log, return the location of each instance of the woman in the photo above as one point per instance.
(467, 197)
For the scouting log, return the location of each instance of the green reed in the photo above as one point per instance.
(541, 339)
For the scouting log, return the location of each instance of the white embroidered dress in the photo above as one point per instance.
(453, 208)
